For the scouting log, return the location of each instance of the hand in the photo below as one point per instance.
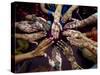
(41, 49)
(55, 30)
(31, 37)
(30, 17)
(72, 33)
(68, 52)
(75, 37)
(55, 59)
(42, 24)
(74, 24)
(78, 39)
(25, 26)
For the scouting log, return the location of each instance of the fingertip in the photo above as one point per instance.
(45, 55)
(68, 38)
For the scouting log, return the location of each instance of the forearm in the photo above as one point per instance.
(87, 54)
(23, 57)
(57, 13)
(88, 21)
(21, 36)
(90, 47)
(89, 44)
(89, 40)
(72, 8)
(45, 10)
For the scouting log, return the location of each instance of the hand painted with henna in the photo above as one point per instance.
(68, 52)
(74, 24)
(55, 30)
(91, 20)
(72, 33)
(55, 59)
(32, 38)
(25, 27)
(78, 35)
(38, 23)
(56, 26)
(78, 39)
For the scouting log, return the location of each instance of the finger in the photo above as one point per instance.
(48, 45)
(74, 19)
(34, 42)
(71, 26)
(66, 33)
(60, 26)
(74, 41)
(40, 35)
(63, 42)
(60, 42)
(60, 46)
(41, 44)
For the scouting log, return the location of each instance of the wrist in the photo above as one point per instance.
(29, 55)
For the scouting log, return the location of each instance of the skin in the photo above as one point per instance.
(32, 24)
(46, 10)
(56, 26)
(68, 52)
(78, 39)
(92, 34)
(31, 37)
(55, 58)
(25, 26)
(68, 15)
(39, 51)
(78, 35)
(79, 24)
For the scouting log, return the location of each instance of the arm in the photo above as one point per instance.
(39, 51)
(23, 57)
(31, 37)
(78, 39)
(45, 10)
(72, 8)
(68, 52)
(56, 26)
(68, 13)
(57, 13)
(79, 24)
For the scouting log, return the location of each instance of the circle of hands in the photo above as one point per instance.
(37, 28)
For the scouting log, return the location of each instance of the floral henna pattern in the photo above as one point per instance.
(68, 52)
(31, 37)
(55, 60)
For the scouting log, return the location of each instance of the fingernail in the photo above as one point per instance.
(52, 41)
(68, 38)
(51, 38)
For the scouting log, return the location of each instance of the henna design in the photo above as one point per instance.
(31, 37)
(55, 60)
(68, 52)
(79, 24)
